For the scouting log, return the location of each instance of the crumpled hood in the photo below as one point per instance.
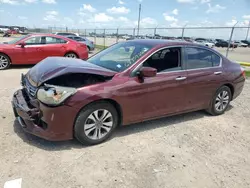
(52, 67)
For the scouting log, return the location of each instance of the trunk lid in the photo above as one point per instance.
(52, 67)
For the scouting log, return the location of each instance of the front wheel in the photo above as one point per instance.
(220, 101)
(95, 123)
(4, 61)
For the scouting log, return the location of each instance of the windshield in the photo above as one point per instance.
(17, 39)
(120, 56)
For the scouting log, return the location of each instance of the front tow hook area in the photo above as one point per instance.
(21, 122)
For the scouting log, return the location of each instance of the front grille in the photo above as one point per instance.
(31, 90)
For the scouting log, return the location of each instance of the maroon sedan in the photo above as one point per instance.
(128, 82)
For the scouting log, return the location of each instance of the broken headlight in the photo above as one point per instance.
(54, 95)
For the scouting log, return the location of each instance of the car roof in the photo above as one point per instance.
(160, 42)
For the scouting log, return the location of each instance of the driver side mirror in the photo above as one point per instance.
(147, 72)
(22, 44)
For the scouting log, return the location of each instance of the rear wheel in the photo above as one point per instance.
(220, 101)
(96, 123)
(4, 61)
(71, 55)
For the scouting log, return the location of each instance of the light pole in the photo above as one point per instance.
(139, 20)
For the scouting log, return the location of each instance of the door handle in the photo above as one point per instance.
(218, 73)
(181, 78)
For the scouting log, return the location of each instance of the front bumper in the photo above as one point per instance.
(50, 123)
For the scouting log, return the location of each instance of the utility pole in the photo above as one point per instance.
(139, 20)
(248, 30)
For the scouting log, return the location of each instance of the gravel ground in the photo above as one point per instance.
(193, 150)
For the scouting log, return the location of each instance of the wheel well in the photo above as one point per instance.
(114, 103)
(6, 55)
(72, 52)
(231, 87)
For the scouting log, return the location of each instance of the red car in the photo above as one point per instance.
(31, 49)
(126, 83)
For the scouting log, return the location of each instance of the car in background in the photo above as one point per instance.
(225, 44)
(241, 44)
(129, 82)
(66, 34)
(90, 44)
(246, 42)
(32, 48)
(205, 43)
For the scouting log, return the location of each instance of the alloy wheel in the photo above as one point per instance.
(98, 124)
(71, 55)
(4, 62)
(221, 101)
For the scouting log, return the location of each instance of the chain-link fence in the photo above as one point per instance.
(106, 37)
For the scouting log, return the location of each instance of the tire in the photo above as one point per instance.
(222, 96)
(4, 61)
(71, 55)
(87, 129)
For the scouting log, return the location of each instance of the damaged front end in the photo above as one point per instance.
(40, 106)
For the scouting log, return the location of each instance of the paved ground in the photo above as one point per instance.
(193, 150)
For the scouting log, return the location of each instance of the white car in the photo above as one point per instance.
(241, 44)
(205, 43)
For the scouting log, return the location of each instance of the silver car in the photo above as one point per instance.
(84, 40)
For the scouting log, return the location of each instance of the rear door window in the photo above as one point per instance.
(197, 58)
(54, 40)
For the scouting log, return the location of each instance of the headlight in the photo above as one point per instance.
(54, 95)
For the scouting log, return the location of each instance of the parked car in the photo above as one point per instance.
(90, 44)
(31, 49)
(240, 44)
(204, 43)
(246, 42)
(129, 82)
(66, 34)
(224, 44)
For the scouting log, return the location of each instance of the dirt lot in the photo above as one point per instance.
(193, 150)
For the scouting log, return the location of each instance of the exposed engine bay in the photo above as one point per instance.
(77, 80)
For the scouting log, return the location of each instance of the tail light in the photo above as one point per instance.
(243, 73)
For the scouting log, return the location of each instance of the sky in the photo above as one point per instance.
(84, 14)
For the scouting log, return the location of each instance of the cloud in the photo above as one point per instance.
(118, 10)
(247, 17)
(51, 16)
(121, 2)
(88, 8)
(123, 19)
(185, 1)
(102, 17)
(205, 1)
(147, 22)
(22, 18)
(214, 9)
(11, 2)
(169, 18)
(30, 1)
(49, 1)
(175, 12)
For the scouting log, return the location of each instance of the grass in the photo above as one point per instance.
(100, 47)
(248, 74)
